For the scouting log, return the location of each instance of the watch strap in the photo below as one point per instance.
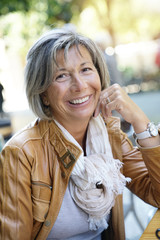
(151, 131)
(143, 135)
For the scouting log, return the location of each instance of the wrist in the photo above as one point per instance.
(139, 122)
(150, 131)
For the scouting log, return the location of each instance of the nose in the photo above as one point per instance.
(78, 83)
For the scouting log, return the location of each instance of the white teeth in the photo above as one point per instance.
(77, 101)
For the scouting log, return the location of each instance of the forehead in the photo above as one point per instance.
(75, 51)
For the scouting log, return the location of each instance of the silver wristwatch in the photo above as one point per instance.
(151, 131)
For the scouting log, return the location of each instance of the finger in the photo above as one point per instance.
(103, 107)
(97, 110)
(109, 91)
(106, 109)
(105, 98)
(108, 100)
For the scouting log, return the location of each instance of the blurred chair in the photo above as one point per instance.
(5, 129)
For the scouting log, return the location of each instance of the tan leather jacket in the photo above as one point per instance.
(35, 167)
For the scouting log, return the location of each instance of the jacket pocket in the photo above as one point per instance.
(41, 196)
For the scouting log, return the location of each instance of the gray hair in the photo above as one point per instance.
(41, 63)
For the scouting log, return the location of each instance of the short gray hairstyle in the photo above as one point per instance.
(41, 63)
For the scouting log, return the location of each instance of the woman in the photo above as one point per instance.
(61, 177)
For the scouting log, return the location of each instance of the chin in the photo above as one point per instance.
(84, 117)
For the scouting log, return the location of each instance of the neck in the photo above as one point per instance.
(81, 139)
(78, 131)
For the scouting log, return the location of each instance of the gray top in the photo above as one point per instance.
(72, 224)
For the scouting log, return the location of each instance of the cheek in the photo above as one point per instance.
(55, 91)
(97, 87)
(98, 95)
(98, 84)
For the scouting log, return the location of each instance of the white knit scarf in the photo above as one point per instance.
(98, 166)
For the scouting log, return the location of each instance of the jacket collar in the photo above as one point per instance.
(68, 153)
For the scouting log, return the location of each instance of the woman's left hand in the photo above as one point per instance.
(115, 98)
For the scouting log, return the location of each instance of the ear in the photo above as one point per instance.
(45, 99)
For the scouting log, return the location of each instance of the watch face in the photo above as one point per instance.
(153, 130)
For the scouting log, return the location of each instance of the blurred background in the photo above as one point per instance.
(128, 33)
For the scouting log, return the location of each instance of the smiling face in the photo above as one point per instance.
(75, 89)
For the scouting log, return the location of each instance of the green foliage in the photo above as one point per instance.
(23, 21)
(56, 10)
(120, 18)
(7, 6)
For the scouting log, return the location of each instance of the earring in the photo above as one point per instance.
(46, 102)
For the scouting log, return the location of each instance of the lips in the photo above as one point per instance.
(80, 100)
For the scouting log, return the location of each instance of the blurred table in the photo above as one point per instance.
(154, 224)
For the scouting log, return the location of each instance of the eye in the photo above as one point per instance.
(86, 69)
(62, 77)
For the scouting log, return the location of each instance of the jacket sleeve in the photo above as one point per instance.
(15, 195)
(142, 165)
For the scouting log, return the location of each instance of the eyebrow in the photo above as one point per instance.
(85, 63)
(61, 69)
(64, 69)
